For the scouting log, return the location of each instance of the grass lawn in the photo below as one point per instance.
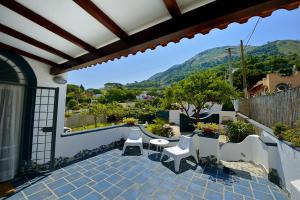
(92, 126)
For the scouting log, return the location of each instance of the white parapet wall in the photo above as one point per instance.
(250, 149)
(174, 116)
(284, 158)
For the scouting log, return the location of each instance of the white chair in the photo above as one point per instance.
(134, 139)
(183, 149)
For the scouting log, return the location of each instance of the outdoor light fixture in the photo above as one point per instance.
(59, 80)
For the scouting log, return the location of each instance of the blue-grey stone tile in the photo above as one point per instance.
(66, 197)
(215, 186)
(243, 182)
(81, 181)
(73, 177)
(16, 196)
(125, 183)
(279, 195)
(58, 175)
(212, 195)
(101, 186)
(80, 192)
(57, 183)
(261, 195)
(232, 196)
(161, 195)
(99, 177)
(140, 179)
(91, 172)
(130, 194)
(195, 189)
(243, 190)
(199, 181)
(44, 194)
(148, 188)
(112, 192)
(180, 195)
(34, 188)
(92, 196)
(114, 178)
(64, 190)
(110, 171)
(260, 187)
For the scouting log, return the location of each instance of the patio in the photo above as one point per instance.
(112, 176)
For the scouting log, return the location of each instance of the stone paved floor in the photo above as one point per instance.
(112, 176)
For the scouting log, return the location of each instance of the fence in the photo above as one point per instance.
(78, 120)
(282, 107)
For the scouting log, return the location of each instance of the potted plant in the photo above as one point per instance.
(279, 129)
(208, 128)
(130, 121)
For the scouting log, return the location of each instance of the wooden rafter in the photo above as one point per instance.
(38, 19)
(27, 54)
(100, 16)
(34, 42)
(172, 8)
(200, 20)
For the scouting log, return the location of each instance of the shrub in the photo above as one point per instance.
(208, 127)
(278, 129)
(130, 121)
(72, 104)
(160, 128)
(293, 136)
(237, 131)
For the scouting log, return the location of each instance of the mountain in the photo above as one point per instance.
(217, 56)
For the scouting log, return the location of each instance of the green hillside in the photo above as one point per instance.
(218, 56)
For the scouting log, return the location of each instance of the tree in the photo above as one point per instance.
(199, 89)
(97, 110)
(72, 104)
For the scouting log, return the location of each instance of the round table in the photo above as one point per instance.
(158, 143)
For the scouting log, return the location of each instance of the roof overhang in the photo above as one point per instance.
(75, 34)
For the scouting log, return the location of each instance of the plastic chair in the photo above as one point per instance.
(134, 139)
(183, 149)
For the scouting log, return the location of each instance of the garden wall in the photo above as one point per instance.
(268, 110)
(68, 145)
(77, 120)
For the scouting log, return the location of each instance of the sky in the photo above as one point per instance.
(280, 25)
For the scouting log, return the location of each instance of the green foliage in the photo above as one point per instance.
(293, 136)
(237, 131)
(279, 128)
(198, 89)
(130, 121)
(159, 128)
(120, 94)
(115, 110)
(87, 127)
(72, 104)
(98, 110)
(208, 127)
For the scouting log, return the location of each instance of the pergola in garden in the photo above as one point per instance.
(70, 35)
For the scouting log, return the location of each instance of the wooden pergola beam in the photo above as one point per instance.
(200, 20)
(38, 19)
(27, 54)
(100, 16)
(34, 42)
(173, 8)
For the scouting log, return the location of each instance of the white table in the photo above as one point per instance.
(158, 143)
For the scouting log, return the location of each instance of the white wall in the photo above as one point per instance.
(44, 79)
(288, 161)
(285, 159)
(250, 149)
(174, 116)
(71, 145)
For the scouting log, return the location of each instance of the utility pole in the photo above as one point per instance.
(244, 69)
(230, 67)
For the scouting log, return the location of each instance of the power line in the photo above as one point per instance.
(254, 28)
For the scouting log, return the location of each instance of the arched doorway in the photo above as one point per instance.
(16, 106)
